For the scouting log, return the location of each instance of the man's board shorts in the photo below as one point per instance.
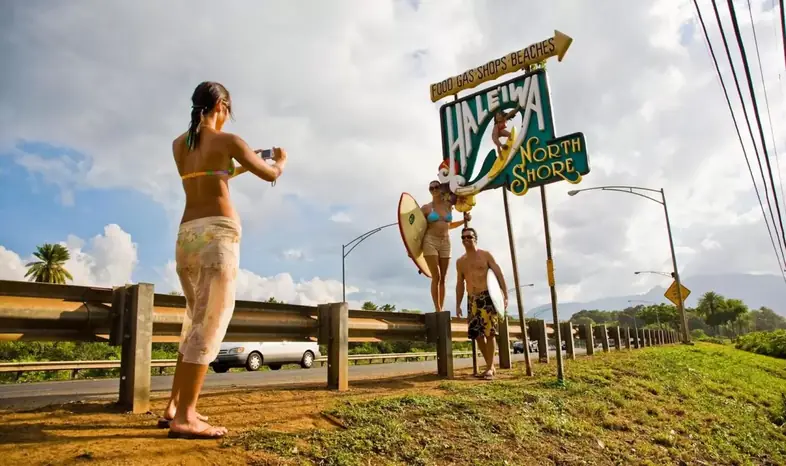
(207, 255)
(482, 316)
(434, 245)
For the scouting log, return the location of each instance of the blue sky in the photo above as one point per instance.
(36, 206)
(346, 90)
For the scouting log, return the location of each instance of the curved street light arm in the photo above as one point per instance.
(665, 274)
(364, 236)
(621, 187)
(630, 191)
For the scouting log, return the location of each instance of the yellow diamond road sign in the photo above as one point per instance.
(671, 293)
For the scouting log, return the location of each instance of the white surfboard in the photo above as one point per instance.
(495, 291)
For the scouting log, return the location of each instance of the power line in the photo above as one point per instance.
(783, 30)
(747, 121)
(756, 112)
(739, 136)
(766, 101)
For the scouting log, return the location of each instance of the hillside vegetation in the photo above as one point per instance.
(702, 404)
(766, 343)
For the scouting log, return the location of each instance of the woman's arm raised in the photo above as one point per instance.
(249, 160)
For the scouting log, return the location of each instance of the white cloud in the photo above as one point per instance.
(293, 254)
(12, 267)
(109, 260)
(345, 90)
(340, 217)
(282, 286)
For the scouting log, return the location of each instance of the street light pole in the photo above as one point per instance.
(345, 253)
(685, 333)
(662, 201)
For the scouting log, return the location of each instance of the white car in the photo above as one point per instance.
(253, 355)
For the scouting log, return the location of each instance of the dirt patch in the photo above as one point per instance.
(98, 433)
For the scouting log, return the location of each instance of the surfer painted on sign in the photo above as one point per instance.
(482, 316)
(436, 241)
(501, 128)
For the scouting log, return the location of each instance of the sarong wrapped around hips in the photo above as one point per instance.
(207, 256)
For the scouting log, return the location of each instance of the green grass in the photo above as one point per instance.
(663, 405)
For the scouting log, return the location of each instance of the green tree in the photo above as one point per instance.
(630, 317)
(369, 306)
(388, 308)
(735, 314)
(766, 320)
(582, 320)
(712, 307)
(663, 314)
(272, 299)
(51, 266)
(598, 316)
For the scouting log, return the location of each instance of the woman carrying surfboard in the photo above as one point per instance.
(436, 241)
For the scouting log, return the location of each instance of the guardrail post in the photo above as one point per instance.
(589, 338)
(627, 337)
(604, 337)
(567, 334)
(119, 295)
(543, 342)
(617, 337)
(649, 338)
(504, 344)
(334, 330)
(643, 338)
(438, 331)
(136, 352)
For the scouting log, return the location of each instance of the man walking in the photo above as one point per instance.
(482, 316)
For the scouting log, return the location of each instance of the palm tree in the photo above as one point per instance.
(712, 307)
(50, 268)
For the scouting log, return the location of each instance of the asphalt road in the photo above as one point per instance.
(34, 395)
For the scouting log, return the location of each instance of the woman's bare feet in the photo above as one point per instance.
(195, 429)
(163, 422)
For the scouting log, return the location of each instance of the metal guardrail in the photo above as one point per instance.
(32, 366)
(134, 317)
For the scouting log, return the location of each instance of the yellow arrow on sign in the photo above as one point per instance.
(535, 53)
(671, 293)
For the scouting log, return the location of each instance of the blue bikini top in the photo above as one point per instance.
(433, 216)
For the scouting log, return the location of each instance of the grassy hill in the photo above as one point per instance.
(706, 404)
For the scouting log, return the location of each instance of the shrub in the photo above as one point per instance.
(766, 343)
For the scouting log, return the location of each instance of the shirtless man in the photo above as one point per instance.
(482, 322)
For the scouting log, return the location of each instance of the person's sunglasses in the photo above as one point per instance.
(433, 187)
(467, 238)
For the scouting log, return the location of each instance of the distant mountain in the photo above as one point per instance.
(753, 290)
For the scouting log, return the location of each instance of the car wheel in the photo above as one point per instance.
(254, 362)
(220, 369)
(308, 360)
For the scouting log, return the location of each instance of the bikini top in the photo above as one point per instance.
(229, 172)
(433, 216)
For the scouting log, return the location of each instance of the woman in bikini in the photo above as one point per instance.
(436, 241)
(207, 248)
